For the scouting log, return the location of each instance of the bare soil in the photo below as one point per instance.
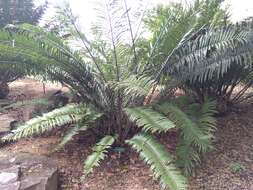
(228, 167)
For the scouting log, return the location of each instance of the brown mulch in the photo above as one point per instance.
(219, 169)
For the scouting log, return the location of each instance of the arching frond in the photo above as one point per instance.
(191, 131)
(197, 125)
(66, 115)
(161, 162)
(84, 124)
(36, 51)
(149, 119)
(134, 87)
(210, 53)
(206, 119)
(69, 135)
(187, 157)
(98, 154)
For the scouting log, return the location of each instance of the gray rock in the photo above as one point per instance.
(37, 172)
(9, 175)
(12, 186)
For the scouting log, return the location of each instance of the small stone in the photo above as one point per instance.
(12, 160)
(6, 178)
(12, 186)
(9, 175)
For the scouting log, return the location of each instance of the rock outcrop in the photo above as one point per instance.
(24, 171)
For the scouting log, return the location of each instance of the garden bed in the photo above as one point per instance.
(228, 167)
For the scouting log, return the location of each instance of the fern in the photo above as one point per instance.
(154, 154)
(66, 115)
(149, 120)
(98, 154)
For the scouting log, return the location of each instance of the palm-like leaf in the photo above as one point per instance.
(134, 87)
(98, 154)
(197, 125)
(153, 153)
(149, 119)
(210, 53)
(66, 115)
(206, 119)
(68, 136)
(38, 52)
(84, 124)
(187, 157)
(190, 129)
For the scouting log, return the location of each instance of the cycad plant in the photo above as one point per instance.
(115, 98)
(168, 24)
(214, 62)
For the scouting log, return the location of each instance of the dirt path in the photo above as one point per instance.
(229, 167)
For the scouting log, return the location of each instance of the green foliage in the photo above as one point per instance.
(237, 167)
(197, 126)
(68, 136)
(168, 25)
(66, 115)
(20, 11)
(149, 120)
(207, 54)
(160, 161)
(190, 130)
(17, 12)
(98, 154)
(214, 61)
(135, 87)
(171, 26)
(108, 74)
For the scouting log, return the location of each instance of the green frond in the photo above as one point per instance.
(84, 124)
(135, 86)
(161, 162)
(69, 135)
(187, 157)
(37, 52)
(197, 125)
(191, 131)
(206, 120)
(211, 53)
(149, 119)
(98, 154)
(69, 114)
